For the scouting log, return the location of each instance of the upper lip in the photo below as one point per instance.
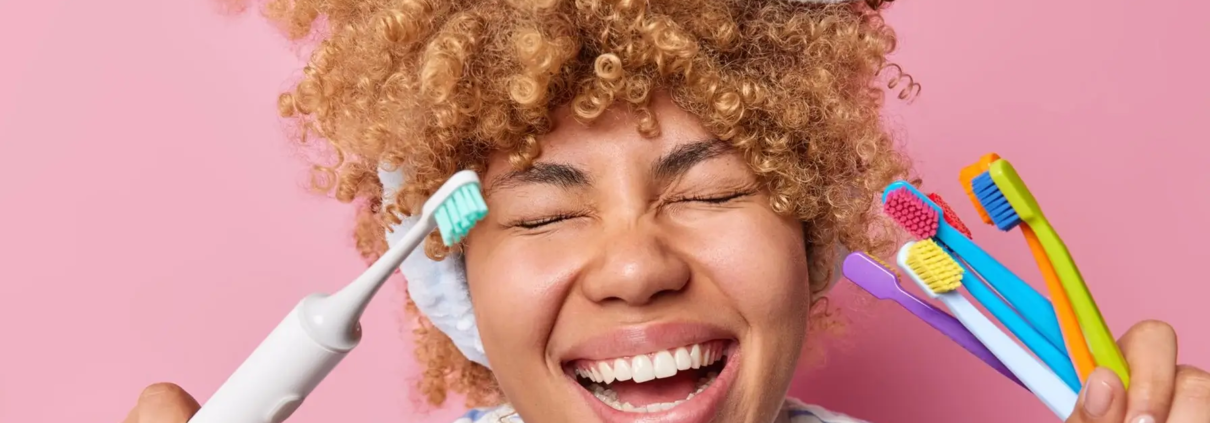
(644, 339)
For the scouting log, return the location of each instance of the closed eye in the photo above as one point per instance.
(540, 222)
(713, 199)
(537, 223)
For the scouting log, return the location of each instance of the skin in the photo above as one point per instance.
(1160, 389)
(635, 249)
(560, 261)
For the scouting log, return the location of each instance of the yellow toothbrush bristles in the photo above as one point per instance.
(879, 261)
(934, 267)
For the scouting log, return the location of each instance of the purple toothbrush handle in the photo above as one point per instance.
(877, 279)
(952, 328)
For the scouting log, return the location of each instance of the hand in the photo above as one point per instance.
(163, 403)
(1160, 390)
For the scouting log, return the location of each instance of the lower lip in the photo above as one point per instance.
(699, 409)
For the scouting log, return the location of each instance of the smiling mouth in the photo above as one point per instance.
(653, 382)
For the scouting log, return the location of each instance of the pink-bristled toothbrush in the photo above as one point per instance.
(880, 281)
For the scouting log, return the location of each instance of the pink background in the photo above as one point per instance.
(155, 226)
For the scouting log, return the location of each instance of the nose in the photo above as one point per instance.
(634, 266)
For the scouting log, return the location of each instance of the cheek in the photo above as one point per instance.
(759, 262)
(517, 292)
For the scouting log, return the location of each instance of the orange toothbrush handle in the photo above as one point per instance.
(1081, 356)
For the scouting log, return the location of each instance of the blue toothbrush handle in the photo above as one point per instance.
(951, 327)
(1058, 361)
(1036, 309)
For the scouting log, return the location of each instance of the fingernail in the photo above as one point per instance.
(1146, 418)
(1098, 396)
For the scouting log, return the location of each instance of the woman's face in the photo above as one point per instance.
(633, 279)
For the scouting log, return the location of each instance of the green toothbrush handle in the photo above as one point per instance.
(1100, 340)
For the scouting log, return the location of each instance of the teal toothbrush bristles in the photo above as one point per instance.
(458, 214)
(993, 201)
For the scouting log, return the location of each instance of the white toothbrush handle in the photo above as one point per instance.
(1040, 380)
(276, 378)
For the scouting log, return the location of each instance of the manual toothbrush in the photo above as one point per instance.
(920, 216)
(1073, 336)
(880, 281)
(1034, 307)
(939, 276)
(1009, 202)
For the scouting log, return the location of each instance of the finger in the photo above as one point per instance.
(1191, 401)
(1150, 349)
(132, 416)
(1103, 399)
(165, 403)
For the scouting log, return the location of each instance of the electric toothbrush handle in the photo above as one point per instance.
(276, 378)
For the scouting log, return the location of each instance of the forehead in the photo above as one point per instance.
(613, 136)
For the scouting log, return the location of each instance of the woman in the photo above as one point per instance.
(669, 184)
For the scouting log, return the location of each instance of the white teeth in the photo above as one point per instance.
(646, 367)
(621, 369)
(606, 374)
(660, 407)
(641, 369)
(665, 365)
(610, 398)
(682, 359)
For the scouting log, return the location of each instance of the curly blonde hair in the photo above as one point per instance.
(433, 86)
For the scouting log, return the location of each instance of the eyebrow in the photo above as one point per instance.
(668, 167)
(557, 174)
(685, 157)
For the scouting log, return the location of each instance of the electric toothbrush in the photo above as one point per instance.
(322, 329)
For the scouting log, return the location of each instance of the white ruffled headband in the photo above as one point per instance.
(439, 287)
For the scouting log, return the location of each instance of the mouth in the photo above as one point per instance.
(680, 384)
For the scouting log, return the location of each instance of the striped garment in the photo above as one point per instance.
(798, 411)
